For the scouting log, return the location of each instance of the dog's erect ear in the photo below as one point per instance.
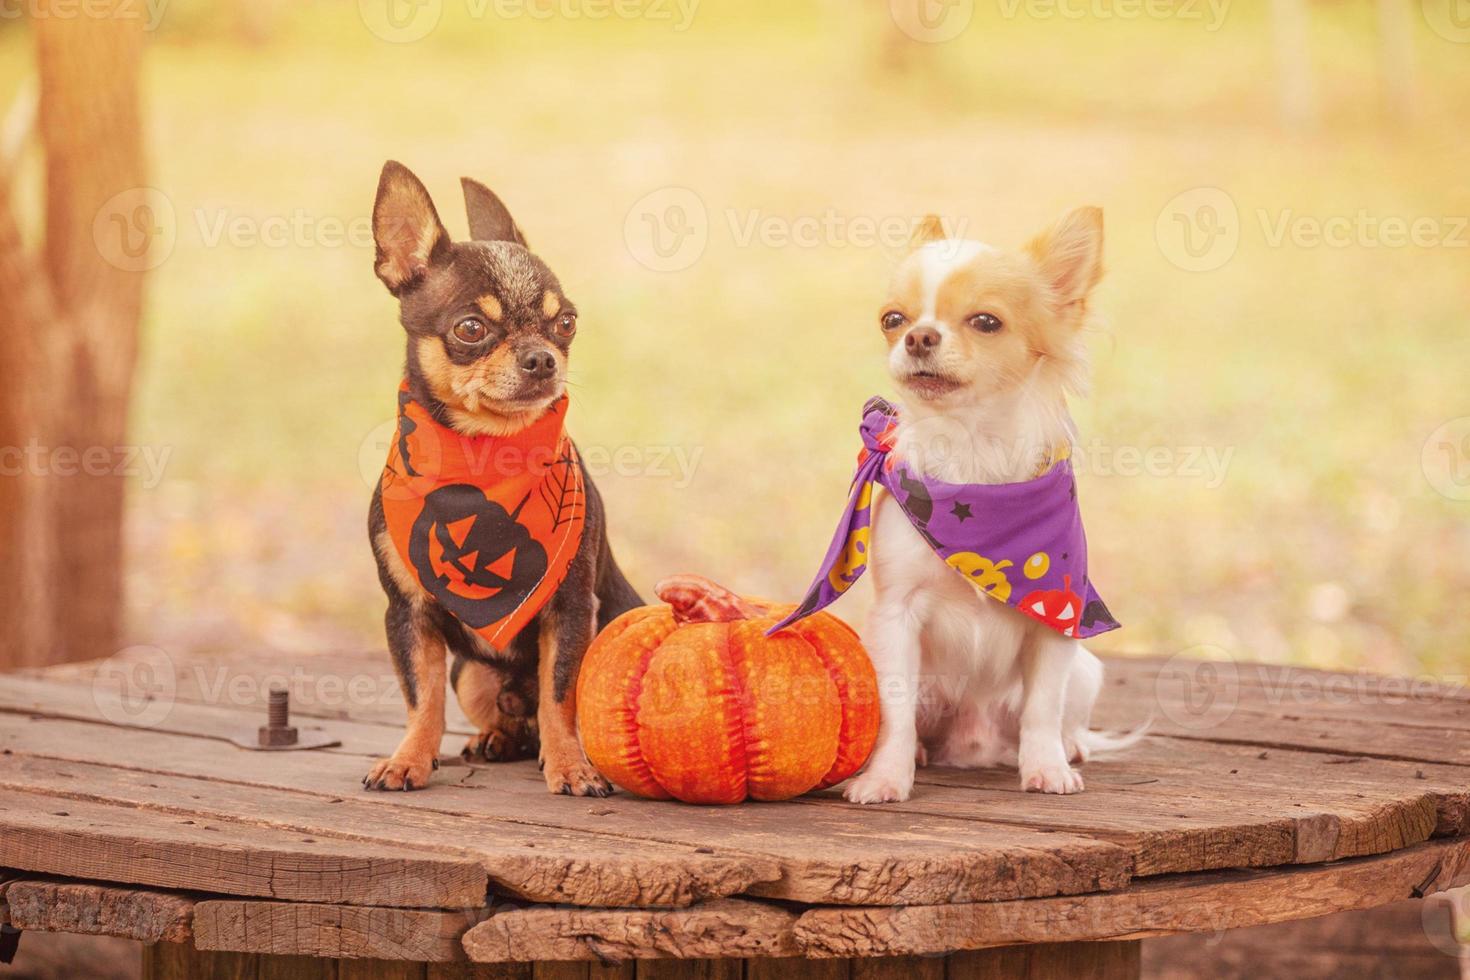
(490, 219)
(930, 229)
(1070, 254)
(406, 229)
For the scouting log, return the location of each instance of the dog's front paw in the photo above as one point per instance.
(879, 787)
(1055, 778)
(577, 778)
(400, 773)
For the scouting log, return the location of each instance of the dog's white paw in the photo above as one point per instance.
(1055, 778)
(879, 787)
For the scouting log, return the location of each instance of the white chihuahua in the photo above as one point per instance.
(985, 346)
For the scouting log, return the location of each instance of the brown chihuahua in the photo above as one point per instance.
(489, 333)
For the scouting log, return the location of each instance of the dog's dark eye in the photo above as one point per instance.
(986, 322)
(566, 325)
(470, 331)
(893, 319)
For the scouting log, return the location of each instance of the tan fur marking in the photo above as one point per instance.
(426, 720)
(931, 229)
(436, 366)
(473, 392)
(397, 570)
(478, 690)
(550, 304)
(563, 762)
(558, 721)
(491, 307)
(406, 230)
(413, 761)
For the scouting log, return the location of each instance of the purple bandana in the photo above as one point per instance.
(1020, 543)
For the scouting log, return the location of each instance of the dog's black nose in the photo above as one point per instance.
(921, 340)
(538, 363)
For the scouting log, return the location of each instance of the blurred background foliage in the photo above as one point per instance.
(1319, 371)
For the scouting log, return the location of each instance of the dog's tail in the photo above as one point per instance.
(1103, 745)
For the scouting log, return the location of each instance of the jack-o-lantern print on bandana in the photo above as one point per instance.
(488, 525)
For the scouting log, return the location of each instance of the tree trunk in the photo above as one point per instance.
(68, 343)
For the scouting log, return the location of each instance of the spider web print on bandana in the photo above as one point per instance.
(487, 525)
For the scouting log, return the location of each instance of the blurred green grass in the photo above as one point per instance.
(1322, 370)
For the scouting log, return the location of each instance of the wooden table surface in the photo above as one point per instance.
(1265, 794)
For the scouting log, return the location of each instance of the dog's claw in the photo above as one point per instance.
(1060, 779)
(879, 787)
(399, 774)
(577, 779)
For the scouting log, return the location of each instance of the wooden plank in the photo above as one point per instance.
(283, 791)
(1048, 961)
(1285, 707)
(831, 858)
(342, 686)
(798, 969)
(790, 969)
(1343, 735)
(100, 910)
(899, 968)
(1411, 940)
(68, 956)
(1227, 963)
(295, 968)
(723, 929)
(491, 971)
(1436, 701)
(81, 839)
(1211, 902)
(690, 970)
(1178, 811)
(181, 961)
(1226, 770)
(380, 970)
(332, 931)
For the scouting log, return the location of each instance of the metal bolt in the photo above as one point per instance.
(278, 731)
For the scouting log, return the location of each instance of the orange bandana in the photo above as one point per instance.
(487, 524)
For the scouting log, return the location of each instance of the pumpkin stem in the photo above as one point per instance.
(698, 600)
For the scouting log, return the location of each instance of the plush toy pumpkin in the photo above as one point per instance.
(693, 701)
